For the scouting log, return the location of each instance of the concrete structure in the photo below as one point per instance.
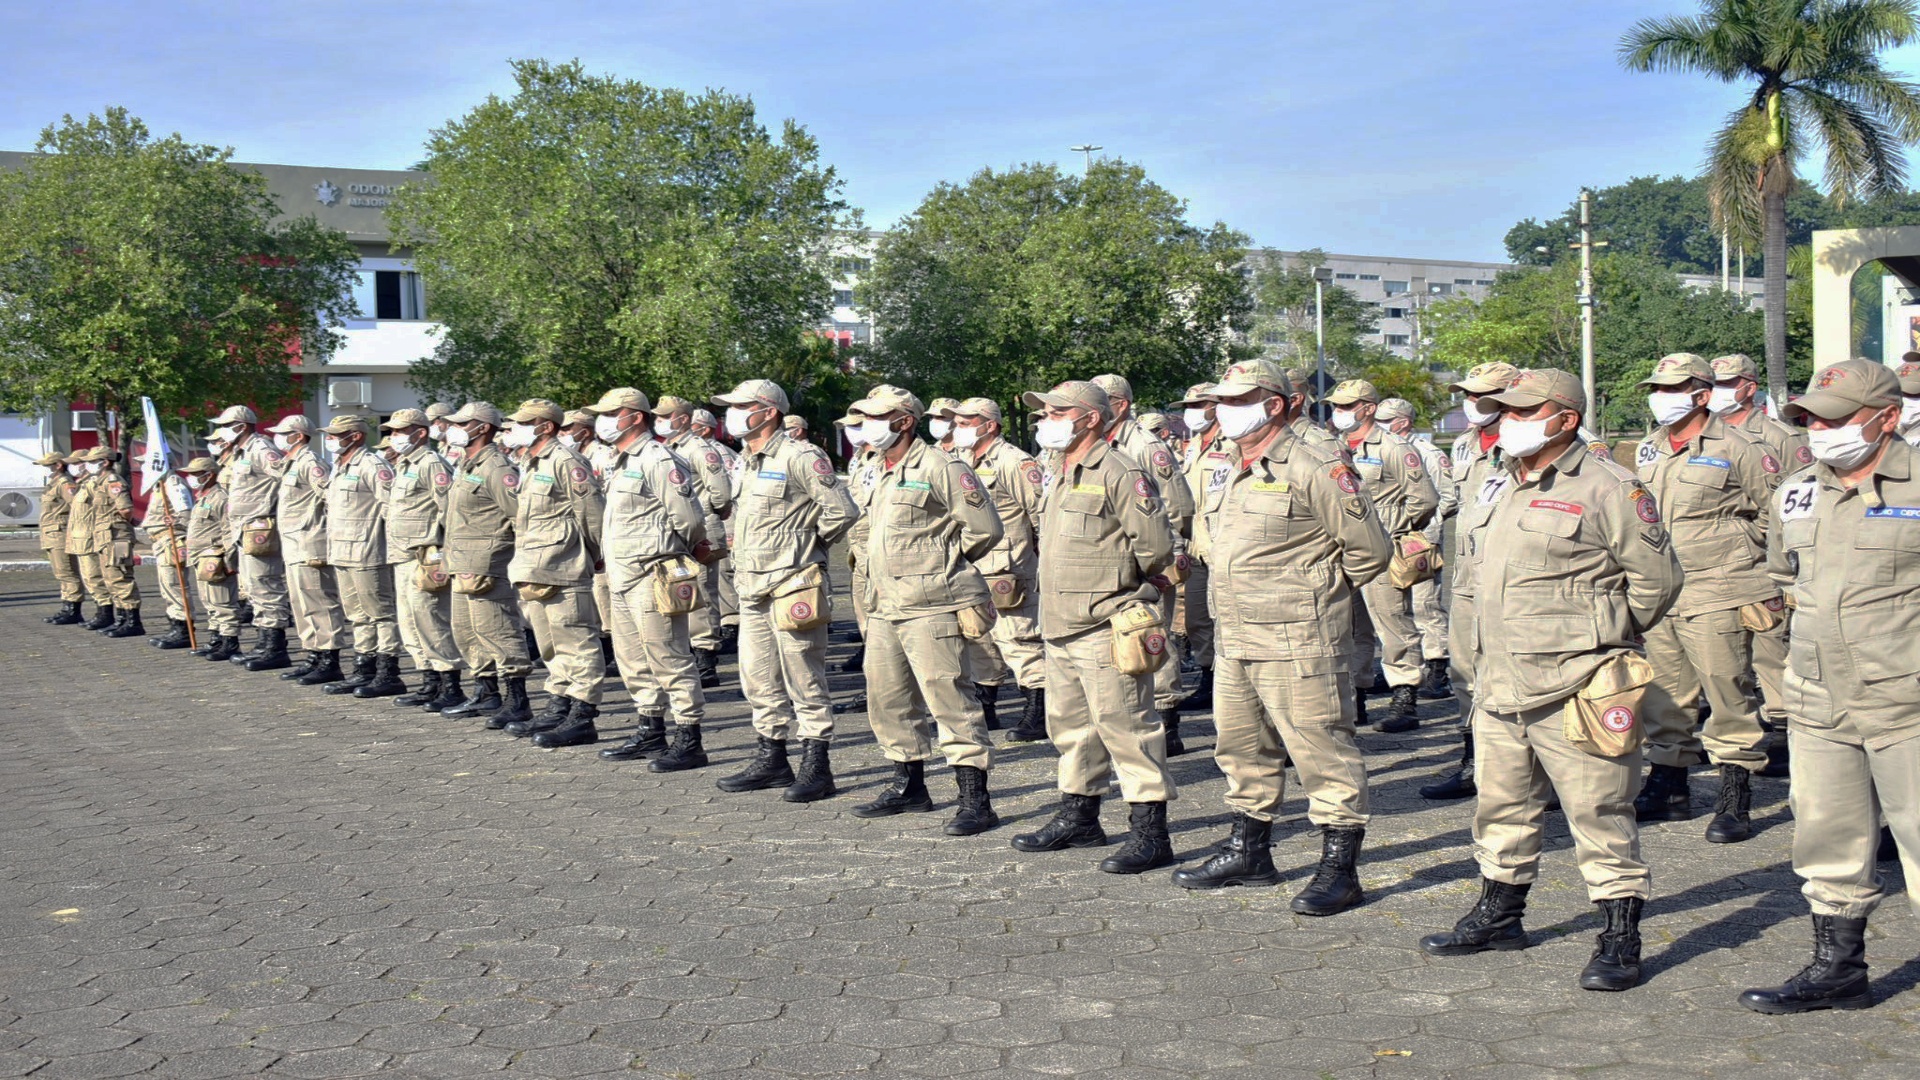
(1837, 255)
(1401, 288)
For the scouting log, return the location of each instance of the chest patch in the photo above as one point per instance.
(1712, 462)
(1555, 504)
(773, 474)
(1895, 513)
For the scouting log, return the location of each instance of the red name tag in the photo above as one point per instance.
(1554, 504)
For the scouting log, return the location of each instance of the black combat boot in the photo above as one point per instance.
(244, 614)
(1336, 884)
(365, 666)
(129, 624)
(1148, 846)
(685, 753)
(767, 769)
(649, 737)
(906, 795)
(1403, 713)
(814, 780)
(1459, 783)
(175, 637)
(1733, 810)
(1359, 707)
(707, 663)
(1201, 699)
(729, 639)
(386, 679)
(1779, 761)
(273, 656)
(1434, 683)
(514, 706)
(306, 664)
(449, 694)
(989, 699)
(1494, 923)
(551, 718)
(855, 661)
(1665, 796)
(326, 670)
(577, 731)
(103, 619)
(1033, 721)
(68, 615)
(1616, 955)
(1245, 859)
(1075, 824)
(975, 812)
(429, 689)
(1837, 978)
(485, 699)
(225, 647)
(1170, 720)
(259, 647)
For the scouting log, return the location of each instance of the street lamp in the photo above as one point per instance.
(1321, 276)
(1087, 149)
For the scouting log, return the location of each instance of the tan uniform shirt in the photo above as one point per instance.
(1294, 537)
(1439, 469)
(863, 477)
(356, 510)
(652, 512)
(1016, 484)
(180, 501)
(557, 521)
(1395, 477)
(1317, 435)
(480, 513)
(302, 506)
(1713, 493)
(84, 507)
(207, 524)
(1103, 533)
(930, 520)
(1786, 443)
(1471, 469)
(1156, 459)
(710, 473)
(417, 503)
(1572, 566)
(1208, 467)
(56, 503)
(252, 480)
(790, 508)
(1849, 560)
(112, 515)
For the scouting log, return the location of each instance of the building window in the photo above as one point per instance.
(390, 295)
(849, 264)
(1345, 277)
(1463, 281)
(1439, 288)
(1397, 339)
(843, 298)
(1396, 313)
(1369, 277)
(1394, 287)
(1483, 281)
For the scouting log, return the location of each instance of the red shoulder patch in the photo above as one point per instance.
(1648, 510)
(1346, 478)
(713, 457)
(822, 466)
(1034, 476)
(1142, 488)
(1413, 461)
(1162, 459)
(1768, 463)
(384, 475)
(675, 476)
(442, 479)
(274, 456)
(969, 481)
(1802, 455)
(319, 473)
(1600, 450)
(512, 479)
(578, 474)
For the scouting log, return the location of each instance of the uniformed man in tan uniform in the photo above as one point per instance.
(480, 542)
(1845, 545)
(791, 506)
(56, 502)
(930, 518)
(576, 434)
(655, 522)
(313, 592)
(1571, 567)
(1304, 425)
(1909, 375)
(1712, 482)
(1396, 479)
(209, 557)
(1206, 463)
(253, 482)
(556, 530)
(113, 545)
(1429, 611)
(1015, 484)
(673, 425)
(1290, 537)
(357, 497)
(1157, 460)
(82, 508)
(1105, 546)
(165, 531)
(416, 535)
(863, 477)
(703, 424)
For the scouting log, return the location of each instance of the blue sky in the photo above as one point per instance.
(1413, 128)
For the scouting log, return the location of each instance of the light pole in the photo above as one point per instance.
(1586, 245)
(1087, 149)
(1321, 275)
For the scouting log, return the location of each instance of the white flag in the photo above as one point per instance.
(156, 462)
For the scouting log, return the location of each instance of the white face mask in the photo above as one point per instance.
(739, 423)
(196, 481)
(93, 468)
(1523, 437)
(662, 428)
(1909, 413)
(1343, 420)
(1670, 406)
(965, 438)
(401, 443)
(854, 438)
(457, 436)
(1053, 434)
(283, 443)
(1722, 400)
(1195, 419)
(1481, 413)
(333, 445)
(567, 440)
(518, 436)
(1239, 421)
(232, 432)
(76, 471)
(939, 429)
(607, 427)
(875, 433)
(1841, 447)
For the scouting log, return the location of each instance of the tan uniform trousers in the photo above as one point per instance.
(703, 626)
(116, 571)
(729, 598)
(66, 573)
(263, 581)
(1016, 637)
(1196, 616)
(1460, 629)
(655, 656)
(784, 675)
(858, 593)
(366, 596)
(602, 604)
(486, 630)
(981, 662)
(90, 575)
(170, 595)
(1842, 793)
(1519, 758)
(1167, 691)
(1710, 653)
(222, 601)
(313, 594)
(566, 629)
(426, 622)
(1102, 722)
(1769, 661)
(1383, 624)
(1430, 619)
(916, 684)
(1269, 710)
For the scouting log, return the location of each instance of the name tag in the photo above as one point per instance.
(1089, 489)
(542, 478)
(1368, 461)
(633, 474)
(1898, 513)
(474, 479)
(347, 480)
(1555, 504)
(1272, 485)
(408, 475)
(916, 485)
(1718, 463)
(986, 474)
(770, 474)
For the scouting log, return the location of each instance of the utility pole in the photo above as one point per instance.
(1586, 246)
(1321, 276)
(1087, 149)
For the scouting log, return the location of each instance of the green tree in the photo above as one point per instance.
(1663, 219)
(1019, 279)
(1283, 322)
(590, 232)
(1816, 80)
(134, 266)
(1409, 380)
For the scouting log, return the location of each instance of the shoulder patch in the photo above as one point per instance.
(1803, 455)
(713, 457)
(675, 476)
(274, 456)
(442, 479)
(1413, 462)
(319, 473)
(1142, 487)
(822, 466)
(1768, 463)
(1034, 476)
(1646, 508)
(968, 481)
(1355, 507)
(1162, 459)
(1600, 450)
(511, 479)
(384, 475)
(578, 474)
(1346, 478)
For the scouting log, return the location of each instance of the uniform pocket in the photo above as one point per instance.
(1555, 633)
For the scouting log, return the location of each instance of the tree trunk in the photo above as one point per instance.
(1774, 249)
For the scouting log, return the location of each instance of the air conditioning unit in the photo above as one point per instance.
(19, 506)
(86, 420)
(350, 391)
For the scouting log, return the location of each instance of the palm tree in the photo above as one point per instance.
(1817, 80)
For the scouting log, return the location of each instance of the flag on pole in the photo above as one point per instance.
(156, 462)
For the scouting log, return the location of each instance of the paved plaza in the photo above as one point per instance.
(207, 873)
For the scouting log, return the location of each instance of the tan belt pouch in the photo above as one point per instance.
(1139, 641)
(676, 586)
(1415, 559)
(260, 538)
(1007, 592)
(800, 603)
(1603, 718)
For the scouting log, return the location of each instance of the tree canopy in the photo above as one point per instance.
(1284, 316)
(593, 231)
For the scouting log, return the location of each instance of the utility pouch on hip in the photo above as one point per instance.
(976, 622)
(1763, 615)
(1139, 641)
(1603, 718)
(1415, 559)
(211, 568)
(532, 592)
(430, 572)
(473, 584)
(260, 538)
(800, 603)
(676, 586)
(1007, 592)
(1179, 570)
(122, 551)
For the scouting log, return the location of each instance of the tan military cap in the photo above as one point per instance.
(1353, 391)
(535, 409)
(577, 416)
(756, 392)
(669, 405)
(1073, 394)
(1845, 388)
(95, 453)
(620, 397)
(1155, 422)
(1489, 378)
(52, 457)
(200, 465)
(1394, 408)
(289, 425)
(1195, 396)
(1116, 386)
(986, 408)
(439, 410)
(1734, 366)
(1677, 369)
(705, 419)
(1302, 380)
(1250, 375)
(794, 423)
(385, 443)
(941, 406)
(480, 411)
(1536, 385)
(345, 422)
(884, 399)
(236, 414)
(1909, 375)
(406, 418)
